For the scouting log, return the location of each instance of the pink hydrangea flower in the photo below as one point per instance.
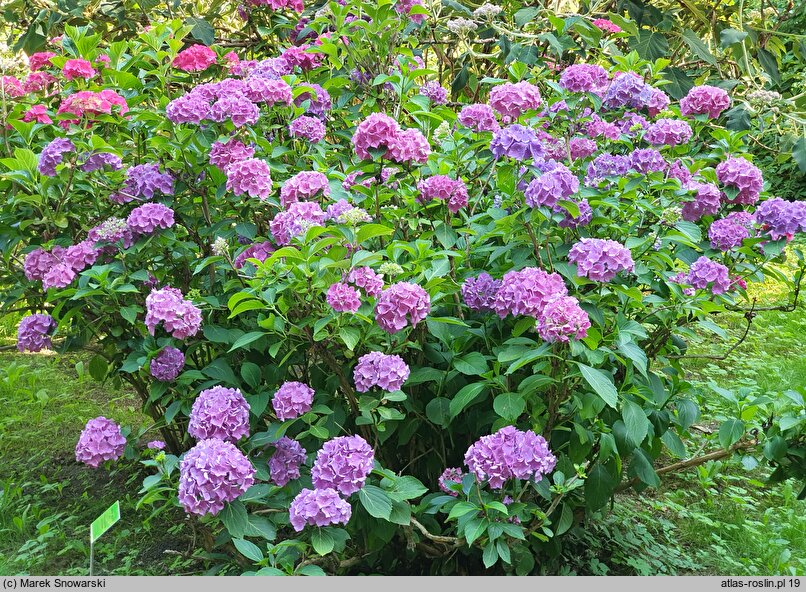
(343, 298)
(705, 100)
(387, 372)
(265, 90)
(408, 146)
(100, 440)
(343, 463)
(515, 99)
(292, 399)
(600, 259)
(452, 191)
(179, 316)
(40, 60)
(223, 154)
(366, 279)
(195, 58)
(478, 117)
(309, 128)
(221, 413)
(146, 218)
(38, 113)
(378, 131)
(741, 174)
(526, 292)
(400, 304)
(296, 220)
(78, 68)
(318, 507)
(561, 319)
(510, 454)
(250, 176)
(303, 186)
(213, 473)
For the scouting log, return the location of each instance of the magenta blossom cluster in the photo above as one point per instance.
(318, 507)
(220, 413)
(195, 58)
(727, 233)
(58, 267)
(292, 399)
(526, 292)
(583, 78)
(284, 464)
(658, 101)
(478, 117)
(452, 191)
(259, 89)
(303, 186)
(600, 259)
(509, 454)
(581, 148)
(343, 463)
(100, 440)
(647, 160)
(167, 364)
(211, 474)
(450, 476)
(223, 154)
(296, 220)
(514, 99)
(780, 218)
(437, 93)
(78, 68)
(400, 304)
(145, 219)
(562, 319)
(627, 90)
(144, 180)
(707, 198)
(317, 102)
(308, 128)
(367, 280)
(34, 331)
(179, 316)
(742, 175)
(704, 274)
(343, 298)
(705, 100)
(518, 142)
(260, 251)
(606, 165)
(404, 7)
(668, 132)
(250, 176)
(479, 292)
(551, 187)
(387, 372)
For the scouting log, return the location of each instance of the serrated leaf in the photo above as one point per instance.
(471, 364)
(599, 487)
(322, 541)
(697, 46)
(641, 467)
(465, 397)
(375, 501)
(601, 383)
(235, 519)
(509, 405)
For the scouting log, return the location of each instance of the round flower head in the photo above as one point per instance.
(211, 474)
(78, 68)
(704, 273)
(600, 259)
(100, 160)
(167, 364)
(285, 462)
(478, 117)
(156, 445)
(223, 154)
(303, 186)
(408, 146)
(742, 175)
(318, 507)
(583, 78)
(195, 58)
(598, 127)
(189, 108)
(647, 160)
(53, 154)
(780, 218)
(727, 233)
(179, 317)
(317, 100)
(451, 191)
(509, 454)
(308, 128)
(435, 92)
(366, 279)
(40, 60)
(292, 399)
(378, 132)
(400, 304)
(38, 82)
(551, 187)
(518, 142)
(343, 298)
(296, 220)
(235, 107)
(343, 463)
(100, 440)
(38, 113)
(705, 100)
(627, 90)
(250, 176)
(33, 332)
(450, 476)
(260, 251)
(583, 219)
(607, 26)
(705, 203)
(144, 180)
(221, 413)
(658, 101)
(678, 170)
(145, 219)
(513, 100)
(562, 318)
(381, 370)
(581, 148)
(259, 89)
(526, 292)
(668, 132)
(479, 292)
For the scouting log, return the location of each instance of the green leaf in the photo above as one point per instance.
(250, 372)
(601, 383)
(799, 154)
(322, 541)
(599, 487)
(636, 355)
(246, 339)
(526, 15)
(730, 432)
(650, 45)
(770, 65)
(490, 555)
(687, 413)
(261, 527)
(235, 519)
(465, 397)
(641, 467)
(248, 549)
(375, 501)
(471, 364)
(407, 487)
(681, 83)
(728, 37)
(130, 313)
(509, 405)
(775, 448)
(350, 336)
(438, 411)
(636, 421)
(462, 508)
(697, 46)
(565, 521)
(98, 368)
(401, 513)
(202, 30)
(368, 231)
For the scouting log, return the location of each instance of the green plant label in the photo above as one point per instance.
(104, 522)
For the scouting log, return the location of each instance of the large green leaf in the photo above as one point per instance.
(799, 154)
(650, 45)
(697, 46)
(248, 549)
(599, 487)
(322, 541)
(601, 383)
(636, 421)
(465, 397)
(641, 467)
(680, 83)
(730, 432)
(235, 519)
(728, 37)
(472, 364)
(202, 30)
(375, 501)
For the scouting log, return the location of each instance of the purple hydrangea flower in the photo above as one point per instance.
(189, 108)
(551, 187)
(452, 191)
(562, 317)
(296, 220)
(479, 292)
(704, 273)
(235, 107)
(705, 203)
(250, 176)
(450, 476)
(223, 154)
(727, 233)
(780, 218)
(180, 318)
(285, 462)
(408, 146)
(514, 99)
(581, 148)
(668, 132)
(658, 101)
(343, 298)
(434, 91)
(509, 454)
(309, 128)
(292, 399)
(156, 445)
(679, 171)
(631, 123)
(600, 259)
(319, 102)
(260, 89)
(343, 463)
(400, 304)
(647, 160)
(212, 473)
(272, 68)
(100, 440)
(583, 78)
(741, 174)
(526, 292)
(378, 131)
(518, 142)
(598, 127)
(220, 413)
(33, 332)
(167, 364)
(303, 186)
(260, 251)
(705, 99)
(387, 372)
(52, 155)
(606, 165)
(318, 507)
(366, 279)
(478, 117)
(144, 180)
(584, 218)
(627, 90)
(99, 160)
(146, 218)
